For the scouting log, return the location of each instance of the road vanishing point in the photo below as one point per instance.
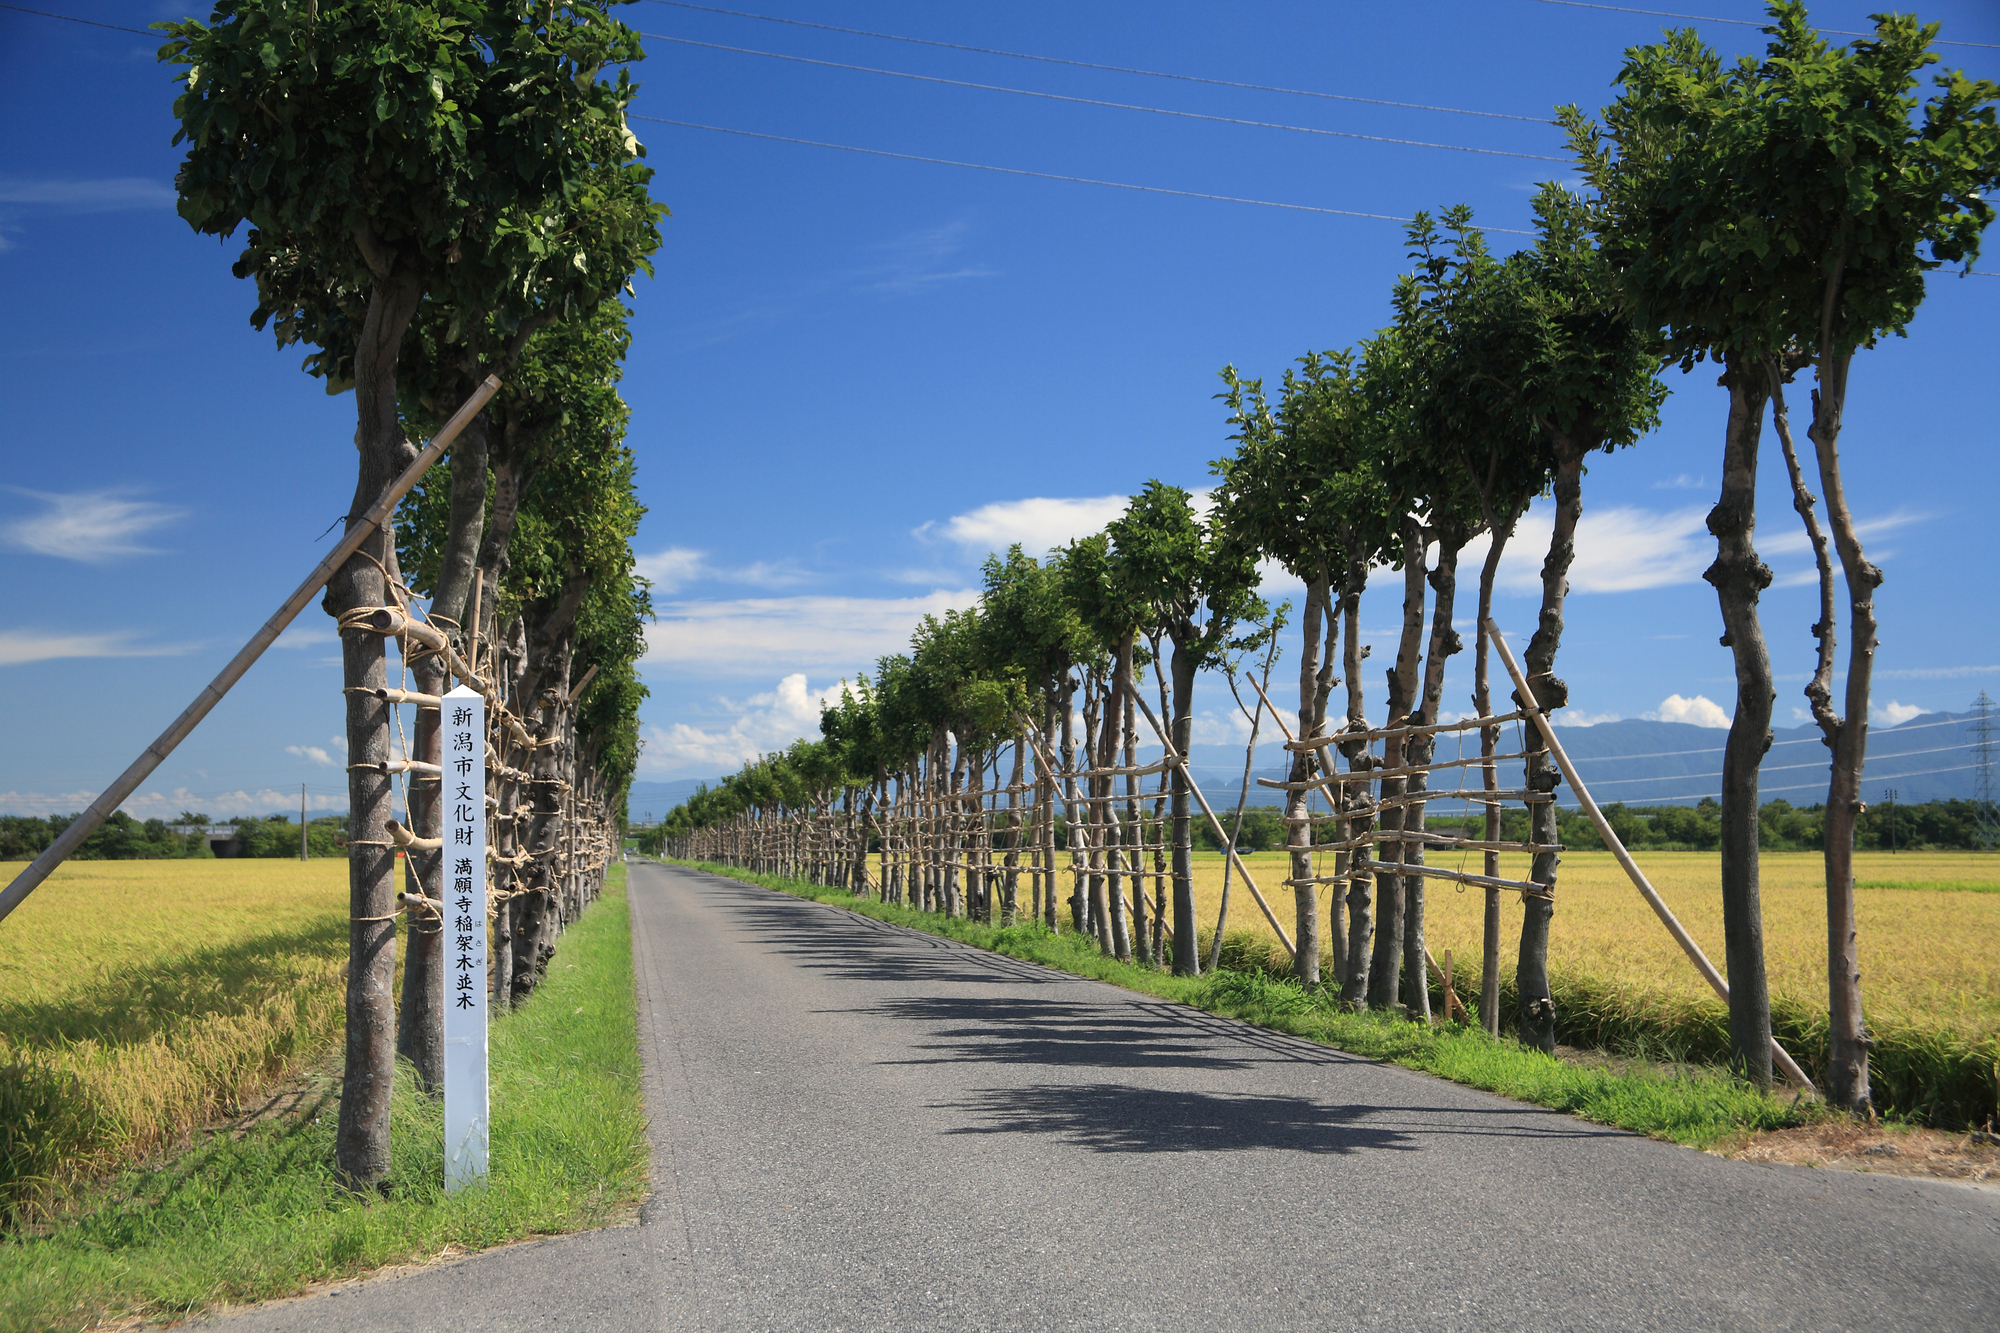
(857, 1126)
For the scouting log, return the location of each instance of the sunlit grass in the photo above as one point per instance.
(240, 1220)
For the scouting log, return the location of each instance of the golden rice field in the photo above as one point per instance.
(140, 998)
(1930, 945)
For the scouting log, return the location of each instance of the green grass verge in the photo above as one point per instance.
(1697, 1107)
(262, 1216)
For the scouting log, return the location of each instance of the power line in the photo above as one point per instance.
(1763, 768)
(1093, 101)
(1804, 740)
(1115, 69)
(1743, 23)
(71, 18)
(1762, 790)
(1050, 175)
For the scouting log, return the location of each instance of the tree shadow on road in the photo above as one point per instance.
(1057, 1032)
(859, 948)
(1114, 1117)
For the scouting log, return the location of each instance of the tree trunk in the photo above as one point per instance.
(361, 1142)
(1010, 892)
(1132, 839)
(1501, 525)
(1187, 949)
(1070, 844)
(1537, 1008)
(1298, 821)
(420, 1020)
(1395, 891)
(1444, 643)
(1847, 1038)
(1739, 577)
(1360, 924)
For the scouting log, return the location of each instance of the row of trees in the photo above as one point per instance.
(1775, 216)
(123, 838)
(434, 194)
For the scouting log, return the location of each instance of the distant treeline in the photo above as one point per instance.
(1783, 827)
(123, 838)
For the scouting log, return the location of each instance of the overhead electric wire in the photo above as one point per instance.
(1115, 69)
(71, 18)
(1745, 23)
(1803, 740)
(1094, 101)
(1762, 768)
(1797, 786)
(1050, 175)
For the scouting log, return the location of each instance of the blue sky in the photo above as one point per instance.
(854, 375)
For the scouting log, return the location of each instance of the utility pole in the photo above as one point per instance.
(1982, 770)
(1890, 792)
(302, 821)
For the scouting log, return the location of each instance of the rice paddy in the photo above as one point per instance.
(139, 999)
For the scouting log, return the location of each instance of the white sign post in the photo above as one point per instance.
(463, 876)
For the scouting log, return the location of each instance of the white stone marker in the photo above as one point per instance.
(463, 888)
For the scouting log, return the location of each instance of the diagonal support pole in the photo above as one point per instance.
(1221, 836)
(155, 754)
(1631, 867)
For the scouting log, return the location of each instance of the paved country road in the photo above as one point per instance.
(860, 1127)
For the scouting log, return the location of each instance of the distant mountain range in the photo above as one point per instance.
(1927, 758)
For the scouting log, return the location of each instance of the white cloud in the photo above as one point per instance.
(167, 804)
(791, 633)
(1621, 549)
(89, 196)
(1628, 549)
(1576, 717)
(1684, 482)
(1039, 524)
(91, 526)
(1893, 714)
(920, 260)
(1793, 540)
(318, 754)
(757, 725)
(18, 646)
(307, 634)
(671, 569)
(678, 566)
(1700, 711)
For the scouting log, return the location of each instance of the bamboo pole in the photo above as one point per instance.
(155, 754)
(1631, 867)
(1221, 835)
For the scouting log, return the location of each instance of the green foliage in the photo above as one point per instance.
(1183, 578)
(1788, 202)
(119, 838)
(471, 143)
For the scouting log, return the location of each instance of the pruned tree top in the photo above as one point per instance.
(1794, 200)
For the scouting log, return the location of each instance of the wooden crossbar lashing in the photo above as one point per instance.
(1383, 733)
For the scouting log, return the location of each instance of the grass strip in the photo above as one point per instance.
(1696, 1107)
(247, 1219)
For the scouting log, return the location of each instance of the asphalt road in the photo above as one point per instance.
(860, 1127)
